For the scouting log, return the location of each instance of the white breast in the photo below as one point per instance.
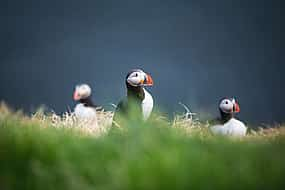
(85, 113)
(233, 127)
(147, 105)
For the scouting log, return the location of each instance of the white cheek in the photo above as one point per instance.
(133, 80)
(226, 107)
(81, 92)
(84, 93)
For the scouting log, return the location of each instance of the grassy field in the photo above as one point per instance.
(52, 152)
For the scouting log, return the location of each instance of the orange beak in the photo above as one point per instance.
(236, 108)
(148, 81)
(76, 96)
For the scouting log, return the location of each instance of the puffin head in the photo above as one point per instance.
(81, 91)
(138, 78)
(229, 106)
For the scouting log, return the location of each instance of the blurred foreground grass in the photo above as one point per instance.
(45, 152)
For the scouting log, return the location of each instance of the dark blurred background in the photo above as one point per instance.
(197, 52)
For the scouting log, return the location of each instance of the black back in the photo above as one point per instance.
(133, 101)
(87, 102)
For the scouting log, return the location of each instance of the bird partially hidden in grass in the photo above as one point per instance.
(228, 125)
(138, 102)
(85, 110)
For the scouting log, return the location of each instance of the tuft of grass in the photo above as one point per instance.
(41, 152)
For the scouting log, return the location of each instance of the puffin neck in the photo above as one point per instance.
(225, 117)
(87, 102)
(135, 92)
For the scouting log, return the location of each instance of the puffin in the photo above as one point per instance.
(228, 124)
(137, 98)
(85, 109)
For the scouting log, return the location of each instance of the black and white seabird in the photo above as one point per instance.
(228, 124)
(137, 95)
(85, 109)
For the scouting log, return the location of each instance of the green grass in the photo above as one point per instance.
(144, 156)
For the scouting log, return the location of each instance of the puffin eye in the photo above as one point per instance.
(227, 102)
(136, 75)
